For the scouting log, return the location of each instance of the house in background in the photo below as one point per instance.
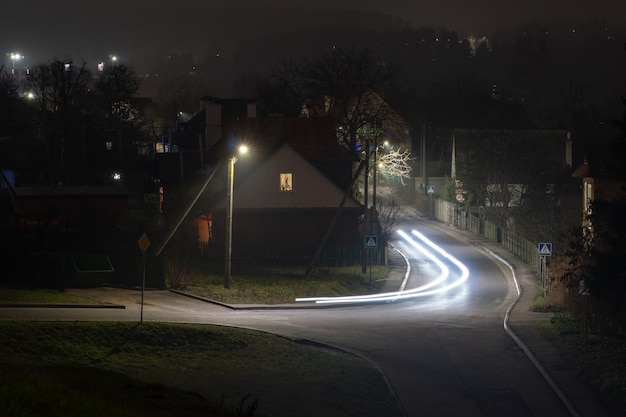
(287, 190)
(471, 119)
(294, 183)
(502, 165)
(282, 207)
(69, 236)
(70, 218)
(180, 157)
(603, 177)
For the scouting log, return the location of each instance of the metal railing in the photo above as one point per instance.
(450, 213)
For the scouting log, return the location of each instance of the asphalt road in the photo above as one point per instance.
(444, 353)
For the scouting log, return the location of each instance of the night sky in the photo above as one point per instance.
(140, 30)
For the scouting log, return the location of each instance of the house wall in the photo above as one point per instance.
(605, 189)
(273, 233)
(213, 129)
(262, 189)
(34, 210)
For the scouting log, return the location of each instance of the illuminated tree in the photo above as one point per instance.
(396, 163)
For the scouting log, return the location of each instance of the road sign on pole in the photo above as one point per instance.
(143, 242)
(545, 249)
(371, 241)
(430, 189)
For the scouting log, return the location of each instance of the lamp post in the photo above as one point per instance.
(229, 215)
(14, 57)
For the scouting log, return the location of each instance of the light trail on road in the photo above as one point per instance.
(433, 287)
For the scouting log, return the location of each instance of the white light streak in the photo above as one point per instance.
(420, 291)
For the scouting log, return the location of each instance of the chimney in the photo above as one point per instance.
(251, 111)
(568, 150)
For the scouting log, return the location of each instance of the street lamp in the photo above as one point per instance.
(14, 57)
(229, 214)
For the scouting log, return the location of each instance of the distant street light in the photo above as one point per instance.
(14, 57)
(229, 214)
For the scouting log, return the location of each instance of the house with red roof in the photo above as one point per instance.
(289, 189)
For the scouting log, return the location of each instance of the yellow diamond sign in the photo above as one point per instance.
(144, 242)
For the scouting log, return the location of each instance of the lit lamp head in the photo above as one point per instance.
(241, 150)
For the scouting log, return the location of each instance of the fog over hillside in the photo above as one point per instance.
(141, 32)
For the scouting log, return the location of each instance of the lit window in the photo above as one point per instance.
(286, 182)
(589, 197)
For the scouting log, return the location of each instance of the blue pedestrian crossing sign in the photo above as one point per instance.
(371, 241)
(430, 189)
(545, 249)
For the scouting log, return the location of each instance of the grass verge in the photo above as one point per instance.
(16, 295)
(284, 285)
(601, 361)
(127, 369)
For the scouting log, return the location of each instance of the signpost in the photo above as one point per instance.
(143, 243)
(371, 242)
(544, 249)
(430, 190)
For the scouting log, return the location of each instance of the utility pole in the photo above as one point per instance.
(423, 152)
(229, 222)
(375, 171)
(365, 201)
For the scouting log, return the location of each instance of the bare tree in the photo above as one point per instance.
(8, 86)
(346, 84)
(60, 88)
(117, 83)
(396, 163)
(8, 95)
(388, 216)
(116, 87)
(177, 93)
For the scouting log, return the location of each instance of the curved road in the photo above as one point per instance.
(444, 353)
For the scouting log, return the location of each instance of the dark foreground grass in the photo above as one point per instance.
(151, 369)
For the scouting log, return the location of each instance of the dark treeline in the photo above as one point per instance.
(562, 76)
(566, 76)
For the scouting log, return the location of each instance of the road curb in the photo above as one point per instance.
(44, 305)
